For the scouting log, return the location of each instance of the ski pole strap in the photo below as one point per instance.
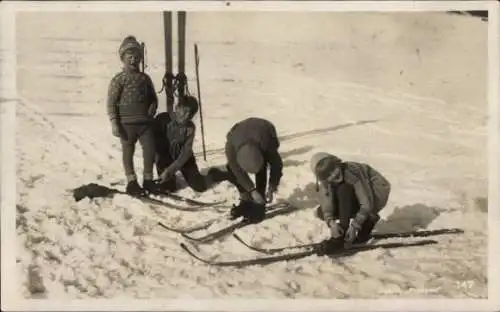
(179, 81)
(143, 56)
(168, 75)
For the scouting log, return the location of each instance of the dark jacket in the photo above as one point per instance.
(263, 133)
(130, 95)
(371, 187)
(174, 139)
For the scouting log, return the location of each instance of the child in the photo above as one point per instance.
(174, 136)
(349, 190)
(131, 106)
(251, 147)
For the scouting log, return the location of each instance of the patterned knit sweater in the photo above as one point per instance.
(130, 95)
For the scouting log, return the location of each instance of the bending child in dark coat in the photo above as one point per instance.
(174, 137)
(349, 190)
(131, 106)
(252, 147)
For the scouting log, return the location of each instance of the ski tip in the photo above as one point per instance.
(237, 237)
(184, 246)
(187, 237)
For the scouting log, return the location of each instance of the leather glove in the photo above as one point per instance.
(352, 232)
(167, 174)
(257, 198)
(336, 230)
(115, 129)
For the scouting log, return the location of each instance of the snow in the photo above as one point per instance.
(406, 93)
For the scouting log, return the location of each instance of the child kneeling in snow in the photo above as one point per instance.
(349, 190)
(174, 136)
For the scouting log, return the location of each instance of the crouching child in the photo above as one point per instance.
(351, 195)
(252, 147)
(174, 137)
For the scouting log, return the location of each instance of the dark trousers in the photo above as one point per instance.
(346, 206)
(131, 133)
(194, 178)
(345, 203)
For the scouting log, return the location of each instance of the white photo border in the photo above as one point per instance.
(12, 301)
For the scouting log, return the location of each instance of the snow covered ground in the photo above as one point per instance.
(405, 92)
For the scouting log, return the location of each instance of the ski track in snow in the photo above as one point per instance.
(433, 151)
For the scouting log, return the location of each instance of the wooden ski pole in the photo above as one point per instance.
(197, 63)
(143, 57)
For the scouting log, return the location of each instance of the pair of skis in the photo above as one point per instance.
(314, 249)
(156, 199)
(272, 211)
(181, 76)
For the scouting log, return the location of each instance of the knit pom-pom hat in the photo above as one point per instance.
(322, 165)
(130, 42)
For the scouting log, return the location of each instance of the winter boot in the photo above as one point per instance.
(133, 188)
(365, 232)
(329, 246)
(254, 213)
(236, 212)
(150, 187)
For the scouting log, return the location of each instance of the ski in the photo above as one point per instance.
(181, 37)
(180, 198)
(150, 200)
(221, 233)
(374, 237)
(302, 254)
(168, 78)
(425, 233)
(191, 201)
(143, 57)
(190, 229)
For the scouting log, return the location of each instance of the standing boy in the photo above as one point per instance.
(349, 190)
(251, 147)
(174, 136)
(131, 106)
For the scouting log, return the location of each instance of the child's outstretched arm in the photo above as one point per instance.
(275, 161)
(276, 169)
(186, 151)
